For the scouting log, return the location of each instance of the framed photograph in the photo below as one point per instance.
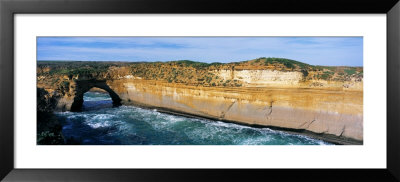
(129, 90)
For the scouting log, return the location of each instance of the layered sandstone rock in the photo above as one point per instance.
(286, 99)
(337, 113)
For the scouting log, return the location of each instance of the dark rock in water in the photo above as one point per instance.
(48, 127)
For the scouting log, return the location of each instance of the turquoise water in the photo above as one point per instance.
(101, 124)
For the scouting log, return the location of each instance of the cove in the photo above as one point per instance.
(101, 124)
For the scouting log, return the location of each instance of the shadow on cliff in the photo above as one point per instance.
(48, 127)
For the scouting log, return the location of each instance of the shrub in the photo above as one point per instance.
(326, 75)
(208, 79)
(350, 71)
(287, 62)
(305, 72)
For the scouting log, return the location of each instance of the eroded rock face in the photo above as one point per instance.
(72, 97)
(262, 77)
(270, 98)
(336, 113)
(82, 86)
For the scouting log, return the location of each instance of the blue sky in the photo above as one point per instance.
(329, 51)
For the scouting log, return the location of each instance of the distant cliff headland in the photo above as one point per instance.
(323, 101)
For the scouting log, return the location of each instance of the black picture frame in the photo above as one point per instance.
(8, 8)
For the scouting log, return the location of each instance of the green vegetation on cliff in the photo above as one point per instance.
(190, 72)
(75, 67)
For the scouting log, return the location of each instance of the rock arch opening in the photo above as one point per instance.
(82, 87)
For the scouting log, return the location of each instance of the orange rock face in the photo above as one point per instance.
(323, 111)
(324, 103)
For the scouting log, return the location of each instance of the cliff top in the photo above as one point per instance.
(192, 72)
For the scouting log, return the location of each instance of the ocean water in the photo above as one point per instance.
(101, 124)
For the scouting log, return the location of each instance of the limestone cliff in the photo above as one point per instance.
(321, 101)
(325, 112)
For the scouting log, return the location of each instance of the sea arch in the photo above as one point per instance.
(83, 86)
